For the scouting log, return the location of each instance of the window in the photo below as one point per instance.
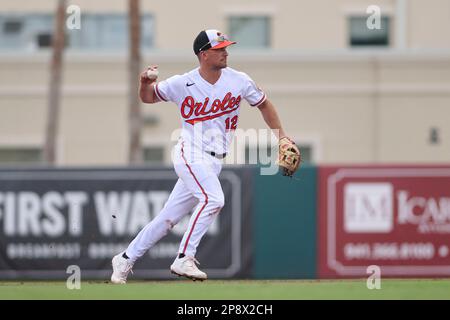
(10, 34)
(97, 32)
(44, 40)
(12, 27)
(22, 31)
(361, 35)
(147, 31)
(38, 31)
(100, 31)
(153, 155)
(108, 32)
(250, 31)
(20, 155)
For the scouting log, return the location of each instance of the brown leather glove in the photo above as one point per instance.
(289, 156)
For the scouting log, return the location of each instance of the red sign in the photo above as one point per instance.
(397, 218)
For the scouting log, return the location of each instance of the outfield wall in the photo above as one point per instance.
(327, 222)
(284, 228)
(53, 219)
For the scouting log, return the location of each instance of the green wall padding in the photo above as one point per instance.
(285, 225)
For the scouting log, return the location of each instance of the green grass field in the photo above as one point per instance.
(231, 290)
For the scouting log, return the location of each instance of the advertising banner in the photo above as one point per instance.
(394, 217)
(52, 219)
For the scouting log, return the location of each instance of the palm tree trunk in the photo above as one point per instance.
(58, 40)
(135, 121)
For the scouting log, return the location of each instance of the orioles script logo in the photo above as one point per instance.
(199, 109)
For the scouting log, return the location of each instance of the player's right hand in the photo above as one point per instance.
(144, 77)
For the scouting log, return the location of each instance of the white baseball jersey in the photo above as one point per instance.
(209, 115)
(210, 112)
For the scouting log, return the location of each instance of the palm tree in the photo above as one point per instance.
(134, 62)
(58, 40)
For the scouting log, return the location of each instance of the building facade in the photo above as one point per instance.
(347, 90)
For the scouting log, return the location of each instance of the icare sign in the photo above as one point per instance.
(396, 217)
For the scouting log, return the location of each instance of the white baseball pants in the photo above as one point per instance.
(198, 185)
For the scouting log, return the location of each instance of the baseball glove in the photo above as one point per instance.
(289, 156)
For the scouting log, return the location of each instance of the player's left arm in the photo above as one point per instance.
(270, 116)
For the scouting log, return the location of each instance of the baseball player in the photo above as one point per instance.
(209, 99)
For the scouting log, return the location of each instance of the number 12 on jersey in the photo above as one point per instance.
(231, 123)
